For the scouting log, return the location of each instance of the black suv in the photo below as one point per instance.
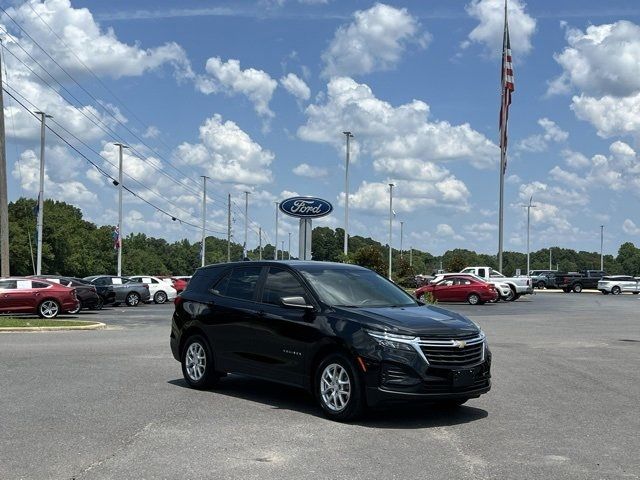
(348, 335)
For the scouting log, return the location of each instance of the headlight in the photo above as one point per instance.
(392, 340)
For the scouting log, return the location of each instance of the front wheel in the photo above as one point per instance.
(577, 288)
(49, 309)
(541, 284)
(616, 290)
(160, 297)
(100, 304)
(76, 310)
(473, 299)
(338, 388)
(132, 299)
(197, 363)
(509, 296)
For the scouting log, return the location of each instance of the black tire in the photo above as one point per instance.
(604, 292)
(509, 297)
(577, 288)
(48, 308)
(132, 299)
(196, 347)
(541, 284)
(566, 290)
(616, 290)
(160, 297)
(514, 296)
(100, 304)
(354, 405)
(474, 299)
(635, 293)
(76, 310)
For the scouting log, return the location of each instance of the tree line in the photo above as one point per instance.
(76, 247)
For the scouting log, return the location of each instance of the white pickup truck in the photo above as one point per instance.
(519, 285)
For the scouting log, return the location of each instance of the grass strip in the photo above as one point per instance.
(13, 322)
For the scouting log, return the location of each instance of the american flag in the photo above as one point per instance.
(116, 238)
(508, 87)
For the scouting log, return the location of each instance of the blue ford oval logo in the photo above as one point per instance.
(306, 207)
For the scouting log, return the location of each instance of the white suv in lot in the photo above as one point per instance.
(617, 284)
(161, 290)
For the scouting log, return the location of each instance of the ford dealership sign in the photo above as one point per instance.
(306, 207)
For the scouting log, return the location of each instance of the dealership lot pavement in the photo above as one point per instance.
(112, 404)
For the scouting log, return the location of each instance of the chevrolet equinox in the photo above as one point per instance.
(348, 335)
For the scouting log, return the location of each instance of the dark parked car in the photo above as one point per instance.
(348, 335)
(86, 292)
(579, 281)
(36, 296)
(126, 291)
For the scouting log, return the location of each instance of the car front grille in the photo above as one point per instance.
(456, 353)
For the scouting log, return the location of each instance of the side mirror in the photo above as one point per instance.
(295, 302)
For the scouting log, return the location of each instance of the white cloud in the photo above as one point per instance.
(445, 230)
(490, 14)
(575, 159)
(151, 132)
(296, 86)
(227, 154)
(611, 116)
(228, 77)
(401, 136)
(601, 61)
(98, 49)
(306, 170)
(27, 170)
(540, 142)
(630, 228)
(375, 40)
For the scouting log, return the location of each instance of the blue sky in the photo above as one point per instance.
(255, 95)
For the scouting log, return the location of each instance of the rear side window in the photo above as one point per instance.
(281, 283)
(39, 285)
(8, 284)
(240, 283)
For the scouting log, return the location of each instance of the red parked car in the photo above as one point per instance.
(26, 295)
(179, 283)
(460, 288)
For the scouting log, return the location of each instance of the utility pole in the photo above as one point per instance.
(289, 250)
(275, 254)
(346, 197)
(246, 224)
(601, 245)
(391, 185)
(43, 119)
(4, 202)
(120, 148)
(401, 235)
(529, 207)
(282, 250)
(204, 216)
(228, 228)
(411, 256)
(260, 242)
(550, 267)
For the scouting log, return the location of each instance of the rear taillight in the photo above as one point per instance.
(178, 300)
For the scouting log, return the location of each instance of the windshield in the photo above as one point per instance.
(342, 287)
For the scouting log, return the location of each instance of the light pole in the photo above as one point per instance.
(43, 119)
(391, 185)
(204, 216)
(120, 148)
(529, 207)
(246, 224)
(260, 243)
(275, 253)
(550, 268)
(601, 244)
(346, 196)
(289, 250)
(401, 237)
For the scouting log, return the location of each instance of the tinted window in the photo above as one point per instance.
(281, 283)
(39, 285)
(240, 284)
(102, 281)
(8, 284)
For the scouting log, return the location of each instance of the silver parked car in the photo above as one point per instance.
(617, 284)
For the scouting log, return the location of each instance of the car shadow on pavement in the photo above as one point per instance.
(284, 397)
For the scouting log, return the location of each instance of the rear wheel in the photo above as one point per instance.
(132, 299)
(160, 297)
(577, 288)
(100, 304)
(616, 290)
(473, 299)
(49, 309)
(197, 363)
(338, 388)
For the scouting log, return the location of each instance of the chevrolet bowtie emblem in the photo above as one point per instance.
(460, 343)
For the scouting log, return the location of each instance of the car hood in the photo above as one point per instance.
(423, 321)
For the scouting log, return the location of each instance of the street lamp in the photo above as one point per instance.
(391, 185)
(349, 135)
(529, 207)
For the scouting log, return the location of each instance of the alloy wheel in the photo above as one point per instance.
(196, 361)
(160, 297)
(49, 309)
(335, 387)
(133, 299)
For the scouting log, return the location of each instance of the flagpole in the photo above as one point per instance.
(503, 145)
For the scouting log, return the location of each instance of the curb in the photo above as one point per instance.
(89, 326)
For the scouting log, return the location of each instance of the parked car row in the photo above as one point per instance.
(50, 295)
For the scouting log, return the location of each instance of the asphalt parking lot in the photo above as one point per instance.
(112, 404)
